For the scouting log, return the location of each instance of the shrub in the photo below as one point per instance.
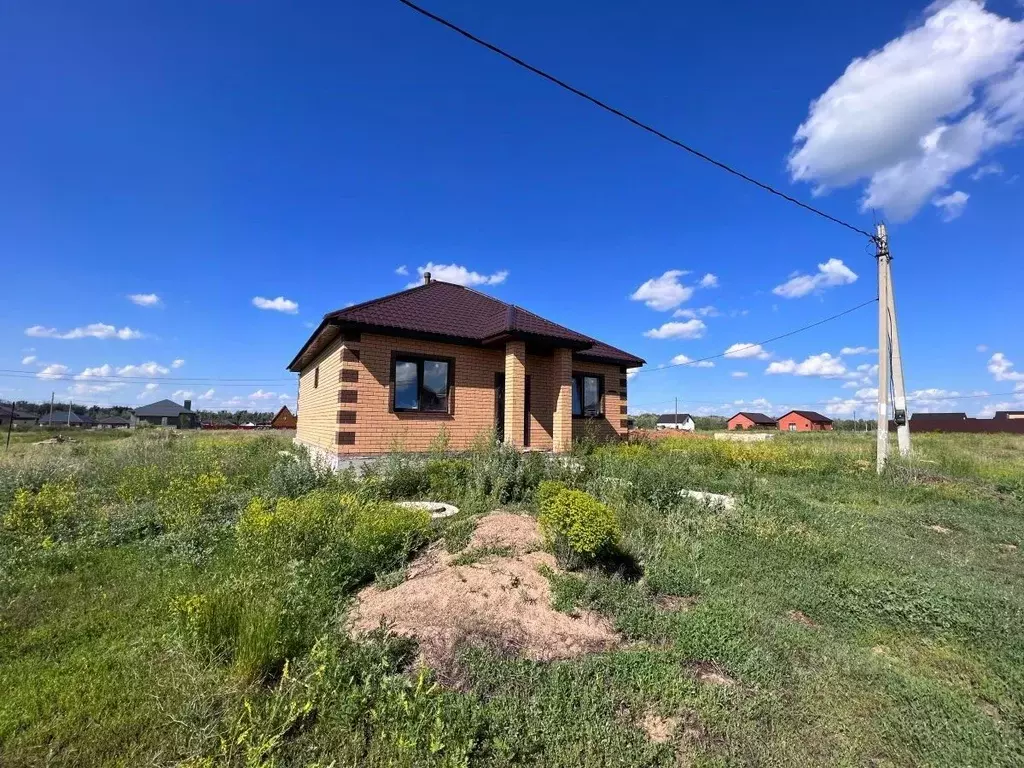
(547, 491)
(577, 527)
(41, 512)
(294, 476)
(187, 500)
(348, 539)
(294, 559)
(447, 479)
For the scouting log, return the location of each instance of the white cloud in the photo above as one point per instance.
(989, 169)
(284, 398)
(53, 371)
(207, 395)
(857, 351)
(952, 205)
(177, 363)
(707, 311)
(148, 390)
(144, 299)
(259, 394)
(458, 274)
(833, 272)
(691, 329)
(93, 330)
(684, 360)
(1002, 369)
(101, 371)
(739, 374)
(402, 270)
(280, 304)
(182, 394)
(709, 281)
(28, 359)
(87, 388)
(816, 365)
(837, 406)
(742, 349)
(910, 116)
(143, 369)
(631, 372)
(665, 292)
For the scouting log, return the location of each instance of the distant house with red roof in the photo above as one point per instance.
(750, 420)
(284, 419)
(804, 421)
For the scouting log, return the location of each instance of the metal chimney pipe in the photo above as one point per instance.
(426, 278)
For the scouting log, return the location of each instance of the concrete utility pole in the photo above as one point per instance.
(50, 424)
(890, 360)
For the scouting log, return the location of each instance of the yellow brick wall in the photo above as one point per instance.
(377, 429)
(350, 412)
(318, 406)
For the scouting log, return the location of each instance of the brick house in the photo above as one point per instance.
(394, 372)
(804, 421)
(750, 420)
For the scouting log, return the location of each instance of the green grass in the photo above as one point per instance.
(909, 648)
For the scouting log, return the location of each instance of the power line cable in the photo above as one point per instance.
(732, 352)
(629, 118)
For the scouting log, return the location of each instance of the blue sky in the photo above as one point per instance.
(207, 158)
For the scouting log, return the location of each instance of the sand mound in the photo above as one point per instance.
(502, 602)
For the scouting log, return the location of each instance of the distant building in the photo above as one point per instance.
(751, 420)
(676, 421)
(113, 422)
(167, 413)
(16, 419)
(804, 421)
(64, 419)
(284, 419)
(1002, 421)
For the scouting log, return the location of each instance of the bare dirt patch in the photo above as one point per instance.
(502, 602)
(659, 729)
(939, 528)
(1007, 547)
(502, 529)
(711, 673)
(684, 728)
(676, 603)
(802, 618)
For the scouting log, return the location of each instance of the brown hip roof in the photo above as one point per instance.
(460, 315)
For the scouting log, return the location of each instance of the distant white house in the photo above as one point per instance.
(676, 421)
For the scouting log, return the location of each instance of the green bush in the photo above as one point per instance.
(346, 538)
(295, 475)
(294, 559)
(51, 507)
(577, 527)
(447, 479)
(547, 491)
